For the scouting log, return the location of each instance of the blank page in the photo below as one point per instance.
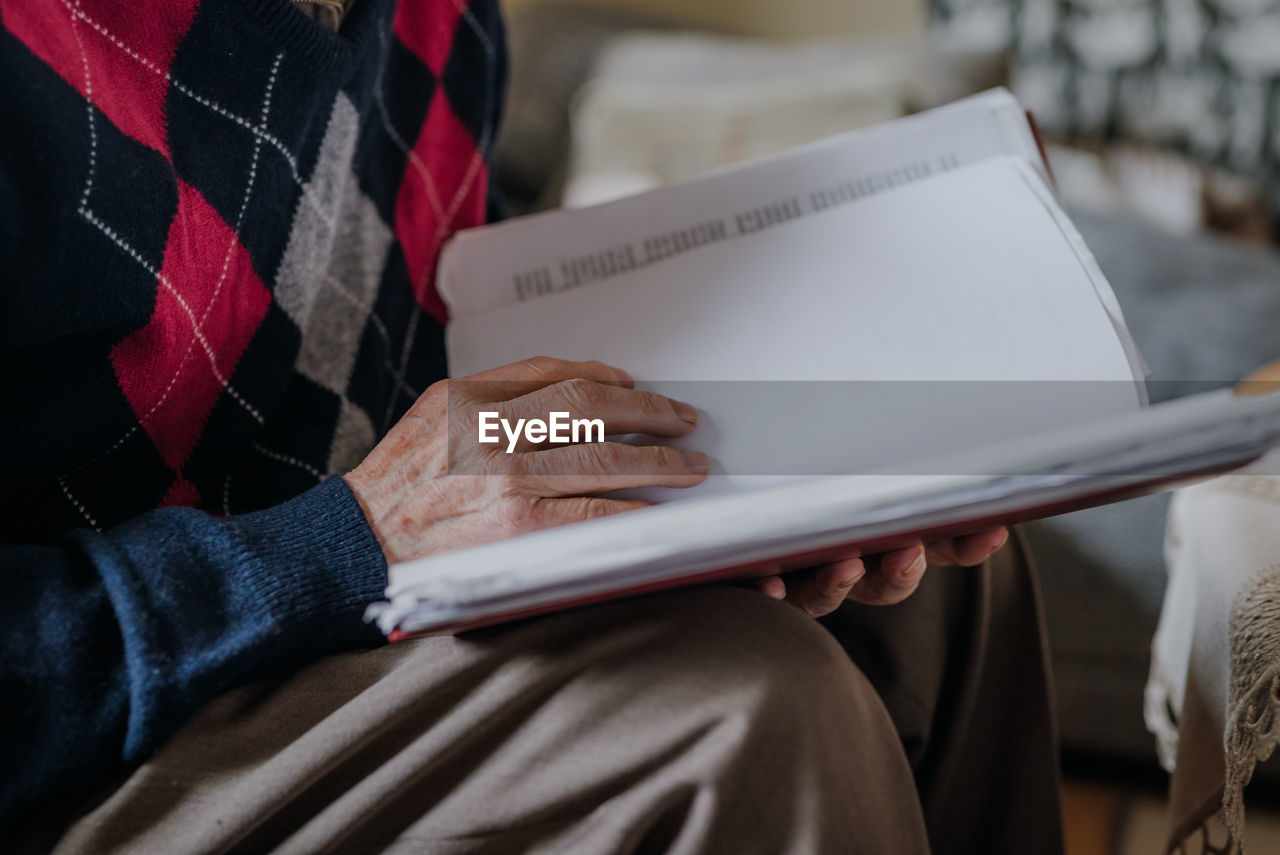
(963, 282)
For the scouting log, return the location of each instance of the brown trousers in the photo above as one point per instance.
(710, 720)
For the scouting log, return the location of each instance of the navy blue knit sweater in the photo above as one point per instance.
(218, 232)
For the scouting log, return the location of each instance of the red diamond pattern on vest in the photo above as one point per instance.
(444, 185)
(208, 306)
(118, 56)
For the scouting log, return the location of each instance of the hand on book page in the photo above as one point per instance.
(430, 486)
(433, 484)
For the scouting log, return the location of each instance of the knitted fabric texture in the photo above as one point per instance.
(219, 224)
(218, 231)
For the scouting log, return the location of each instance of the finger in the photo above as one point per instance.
(574, 470)
(621, 410)
(520, 378)
(895, 562)
(821, 590)
(968, 550)
(549, 513)
(941, 553)
(975, 548)
(892, 579)
(771, 586)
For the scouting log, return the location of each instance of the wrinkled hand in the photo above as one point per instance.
(429, 486)
(878, 580)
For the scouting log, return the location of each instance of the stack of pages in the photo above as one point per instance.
(891, 333)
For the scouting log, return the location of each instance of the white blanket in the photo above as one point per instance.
(1214, 688)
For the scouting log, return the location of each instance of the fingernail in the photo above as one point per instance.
(685, 411)
(773, 588)
(625, 379)
(919, 565)
(698, 463)
(850, 573)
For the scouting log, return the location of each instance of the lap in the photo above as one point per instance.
(657, 719)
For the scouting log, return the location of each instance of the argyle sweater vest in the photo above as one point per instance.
(218, 231)
(219, 224)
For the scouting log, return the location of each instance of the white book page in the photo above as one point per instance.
(964, 282)
(683, 538)
(564, 250)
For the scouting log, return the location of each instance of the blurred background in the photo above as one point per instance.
(1167, 109)
(1162, 119)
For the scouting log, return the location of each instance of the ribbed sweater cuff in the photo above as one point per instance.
(320, 566)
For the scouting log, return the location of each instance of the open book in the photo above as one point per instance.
(890, 333)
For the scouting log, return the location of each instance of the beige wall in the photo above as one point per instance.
(780, 18)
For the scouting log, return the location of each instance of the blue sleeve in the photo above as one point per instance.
(112, 641)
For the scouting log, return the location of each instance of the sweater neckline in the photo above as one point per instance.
(295, 31)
